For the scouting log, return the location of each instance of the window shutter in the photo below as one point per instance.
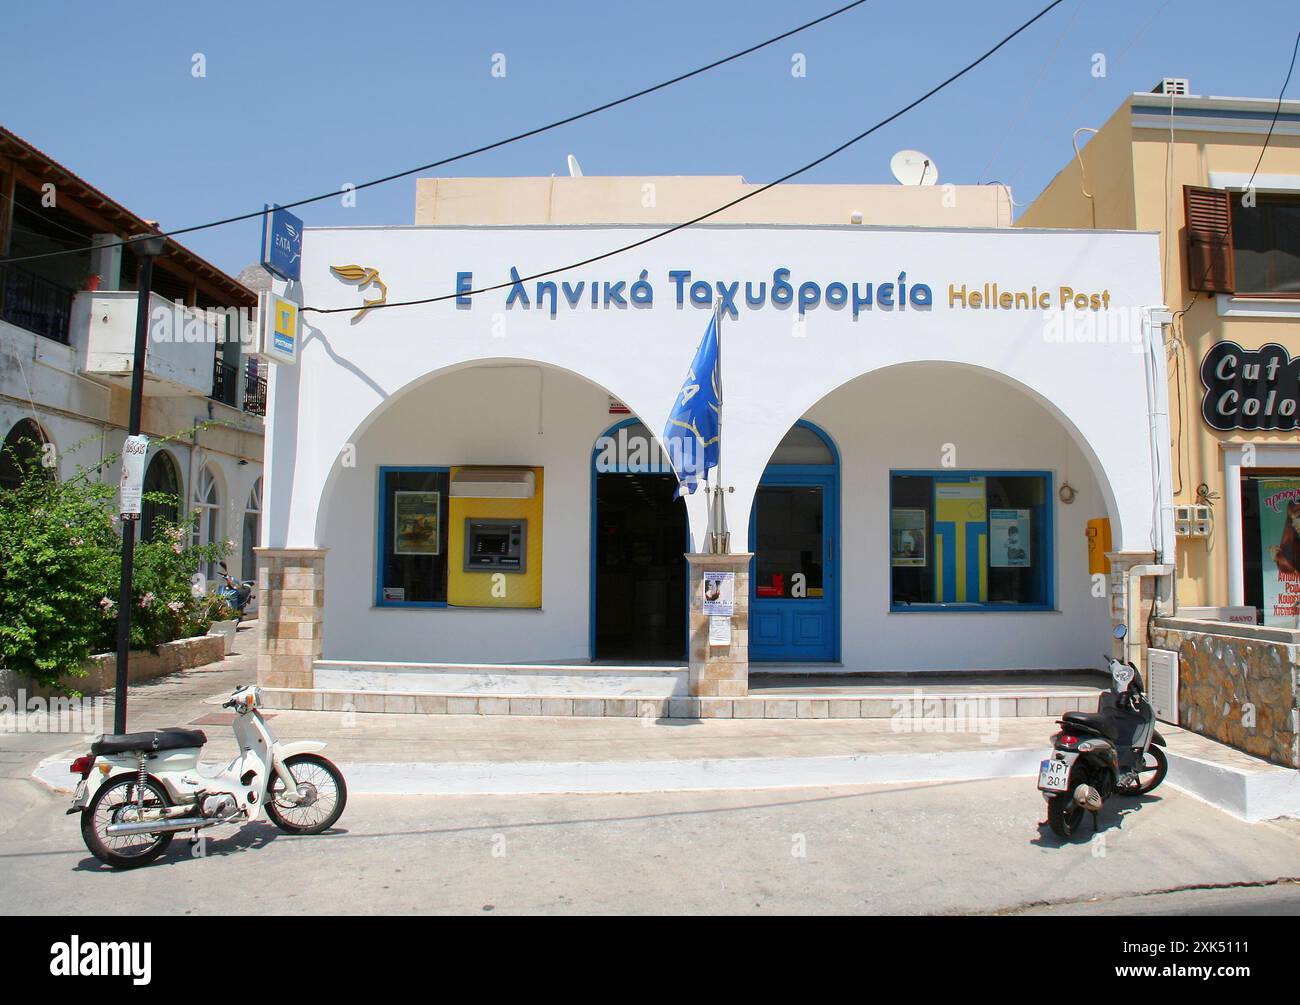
(1210, 264)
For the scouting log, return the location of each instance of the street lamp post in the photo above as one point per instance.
(147, 247)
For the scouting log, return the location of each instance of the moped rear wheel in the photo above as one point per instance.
(117, 801)
(1064, 815)
(1154, 768)
(326, 793)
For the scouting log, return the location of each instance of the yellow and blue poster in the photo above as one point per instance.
(1279, 538)
(961, 534)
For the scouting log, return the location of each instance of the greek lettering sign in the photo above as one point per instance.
(132, 485)
(282, 243)
(1250, 388)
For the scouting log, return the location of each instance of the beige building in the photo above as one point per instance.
(1182, 165)
(674, 199)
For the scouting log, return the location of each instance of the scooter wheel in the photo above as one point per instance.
(1064, 815)
(123, 851)
(329, 790)
(1154, 768)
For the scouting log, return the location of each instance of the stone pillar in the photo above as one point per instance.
(719, 671)
(1131, 610)
(291, 605)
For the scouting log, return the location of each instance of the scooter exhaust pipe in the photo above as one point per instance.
(1088, 797)
(159, 826)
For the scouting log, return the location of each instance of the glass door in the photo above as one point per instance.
(794, 599)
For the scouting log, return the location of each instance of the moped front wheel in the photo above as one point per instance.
(324, 790)
(120, 800)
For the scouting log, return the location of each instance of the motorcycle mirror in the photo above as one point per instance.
(223, 566)
(1121, 631)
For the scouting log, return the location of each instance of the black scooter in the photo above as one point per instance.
(1115, 750)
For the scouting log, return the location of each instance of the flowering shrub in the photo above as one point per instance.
(60, 568)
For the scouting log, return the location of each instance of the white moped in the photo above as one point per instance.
(153, 786)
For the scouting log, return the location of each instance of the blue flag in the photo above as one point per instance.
(692, 436)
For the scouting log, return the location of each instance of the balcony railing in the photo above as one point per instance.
(225, 382)
(35, 303)
(255, 395)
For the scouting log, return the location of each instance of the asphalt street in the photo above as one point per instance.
(910, 849)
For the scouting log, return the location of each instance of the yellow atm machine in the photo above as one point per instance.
(494, 537)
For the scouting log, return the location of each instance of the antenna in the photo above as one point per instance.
(575, 169)
(911, 167)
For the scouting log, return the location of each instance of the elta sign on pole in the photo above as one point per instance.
(282, 243)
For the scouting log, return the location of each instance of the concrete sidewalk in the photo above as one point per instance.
(414, 754)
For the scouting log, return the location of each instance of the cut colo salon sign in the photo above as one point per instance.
(1250, 388)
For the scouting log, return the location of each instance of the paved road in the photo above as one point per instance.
(934, 848)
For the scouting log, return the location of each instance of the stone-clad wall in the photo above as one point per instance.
(1239, 684)
(291, 582)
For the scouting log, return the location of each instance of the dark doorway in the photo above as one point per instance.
(640, 575)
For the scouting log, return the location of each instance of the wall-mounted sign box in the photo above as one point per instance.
(279, 328)
(282, 244)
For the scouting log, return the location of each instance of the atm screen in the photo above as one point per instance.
(495, 544)
(492, 544)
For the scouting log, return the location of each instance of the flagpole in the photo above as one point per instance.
(719, 540)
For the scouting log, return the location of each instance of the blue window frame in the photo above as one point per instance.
(422, 575)
(971, 540)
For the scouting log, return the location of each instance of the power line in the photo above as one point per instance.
(723, 208)
(498, 143)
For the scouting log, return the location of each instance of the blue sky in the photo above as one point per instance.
(300, 98)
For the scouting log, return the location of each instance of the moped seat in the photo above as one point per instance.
(1094, 721)
(153, 739)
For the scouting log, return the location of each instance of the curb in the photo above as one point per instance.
(1248, 795)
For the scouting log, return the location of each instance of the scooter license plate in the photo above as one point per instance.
(81, 796)
(1053, 776)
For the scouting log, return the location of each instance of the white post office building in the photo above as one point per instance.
(947, 439)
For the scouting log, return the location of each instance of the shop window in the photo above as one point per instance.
(1270, 537)
(970, 539)
(413, 543)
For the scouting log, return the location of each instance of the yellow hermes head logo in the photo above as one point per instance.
(363, 276)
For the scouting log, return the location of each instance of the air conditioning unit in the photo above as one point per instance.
(1171, 85)
(1162, 684)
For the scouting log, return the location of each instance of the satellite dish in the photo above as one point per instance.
(911, 167)
(575, 169)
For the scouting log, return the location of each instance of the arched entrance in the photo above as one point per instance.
(162, 477)
(21, 453)
(639, 534)
(794, 534)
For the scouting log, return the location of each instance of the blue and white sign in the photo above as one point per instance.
(282, 243)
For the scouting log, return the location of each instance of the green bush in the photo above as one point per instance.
(60, 568)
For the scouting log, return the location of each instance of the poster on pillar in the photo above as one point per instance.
(1279, 531)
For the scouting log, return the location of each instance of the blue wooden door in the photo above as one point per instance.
(794, 577)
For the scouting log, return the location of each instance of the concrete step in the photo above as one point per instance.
(854, 703)
(522, 680)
